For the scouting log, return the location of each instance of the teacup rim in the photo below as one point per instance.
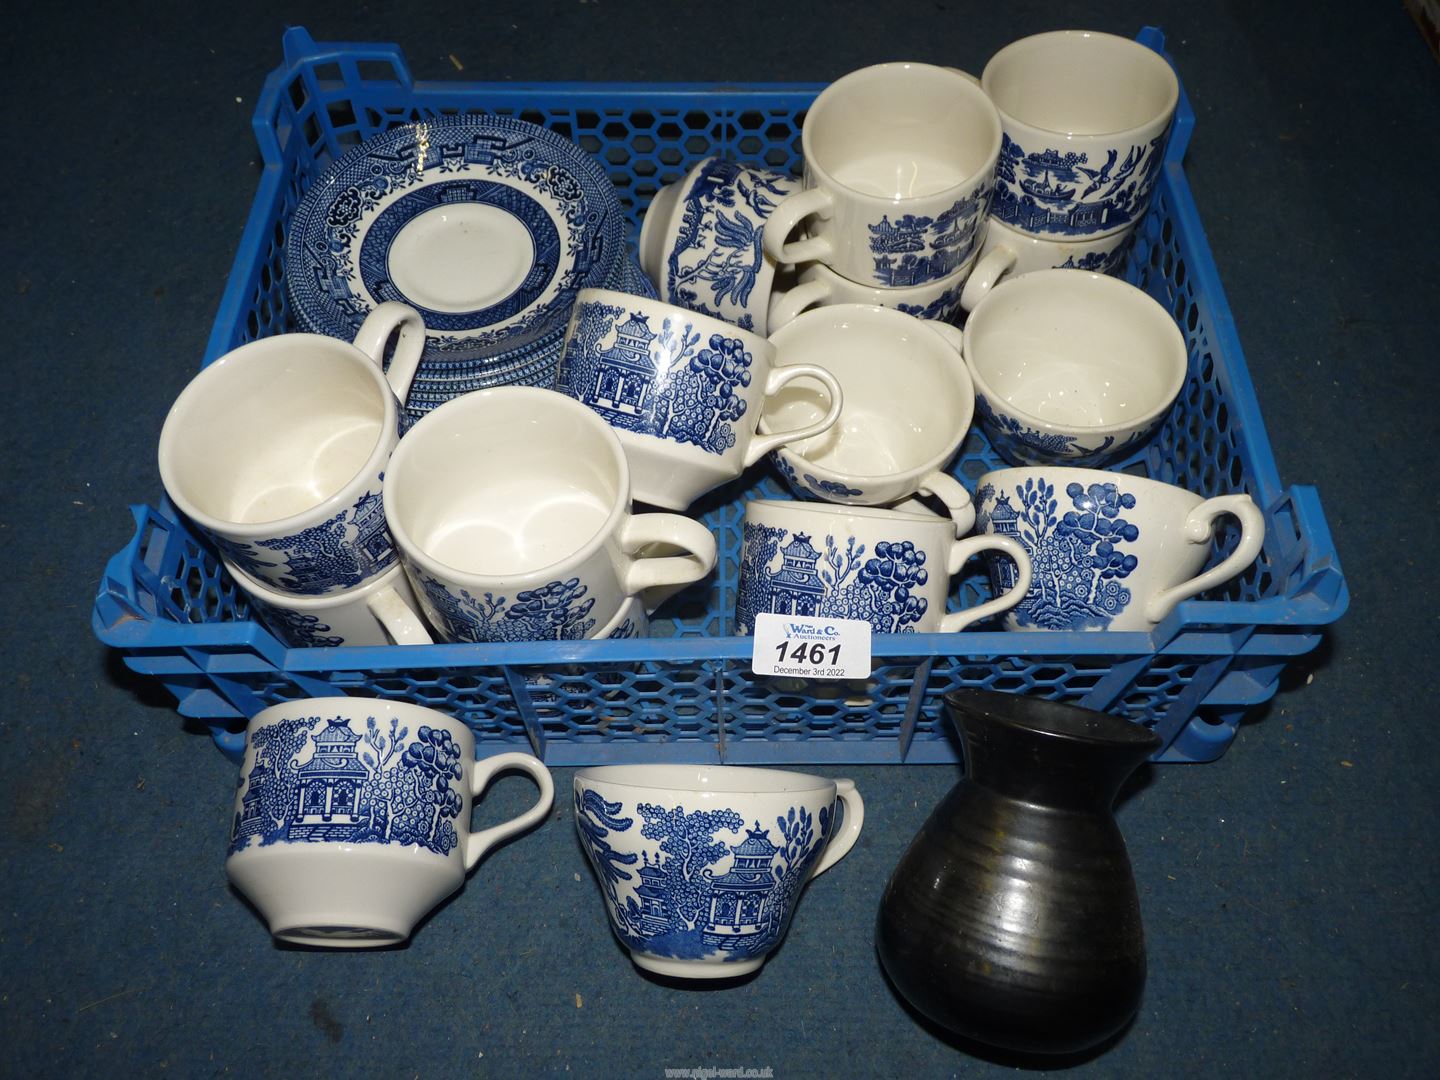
(971, 182)
(1010, 120)
(647, 777)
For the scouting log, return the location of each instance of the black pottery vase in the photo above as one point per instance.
(1012, 919)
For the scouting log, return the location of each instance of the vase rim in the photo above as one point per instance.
(1053, 718)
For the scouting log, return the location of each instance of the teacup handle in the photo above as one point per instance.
(476, 844)
(375, 332)
(402, 624)
(1199, 528)
(675, 530)
(841, 843)
(962, 551)
(779, 377)
(792, 210)
(956, 499)
(784, 307)
(993, 265)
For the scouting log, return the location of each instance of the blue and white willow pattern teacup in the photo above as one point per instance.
(511, 509)
(278, 450)
(684, 392)
(701, 866)
(1111, 551)
(352, 817)
(1085, 117)
(889, 568)
(899, 164)
(701, 240)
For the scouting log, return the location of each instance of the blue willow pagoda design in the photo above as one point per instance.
(835, 584)
(914, 249)
(719, 253)
(555, 611)
(384, 787)
(349, 548)
(658, 382)
(1077, 555)
(1057, 193)
(672, 899)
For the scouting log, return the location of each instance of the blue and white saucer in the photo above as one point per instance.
(487, 225)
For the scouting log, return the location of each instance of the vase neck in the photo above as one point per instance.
(1047, 753)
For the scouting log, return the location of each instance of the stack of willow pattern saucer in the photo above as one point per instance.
(486, 225)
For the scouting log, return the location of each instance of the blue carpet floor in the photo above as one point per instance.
(1288, 889)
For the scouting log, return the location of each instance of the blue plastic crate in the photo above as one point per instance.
(687, 693)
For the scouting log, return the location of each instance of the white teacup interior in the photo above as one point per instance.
(277, 430)
(1071, 348)
(900, 131)
(504, 484)
(1080, 83)
(905, 391)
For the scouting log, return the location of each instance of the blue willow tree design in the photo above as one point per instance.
(689, 841)
(1076, 557)
(761, 545)
(555, 611)
(876, 590)
(797, 853)
(733, 257)
(279, 744)
(597, 818)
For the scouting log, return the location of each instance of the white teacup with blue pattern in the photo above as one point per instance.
(1072, 367)
(511, 509)
(908, 405)
(701, 866)
(1085, 117)
(1111, 551)
(899, 163)
(352, 817)
(889, 568)
(700, 241)
(684, 392)
(278, 450)
(381, 611)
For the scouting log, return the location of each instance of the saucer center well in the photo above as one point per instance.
(461, 257)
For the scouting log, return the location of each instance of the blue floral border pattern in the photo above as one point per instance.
(382, 787)
(662, 382)
(1078, 555)
(1022, 445)
(326, 292)
(837, 584)
(555, 611)
(941, 309)
(689, 894)
(349, 548)
(297, 629)
(914, 249)
(720, 253)
(1066, 194)
(812, 488)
